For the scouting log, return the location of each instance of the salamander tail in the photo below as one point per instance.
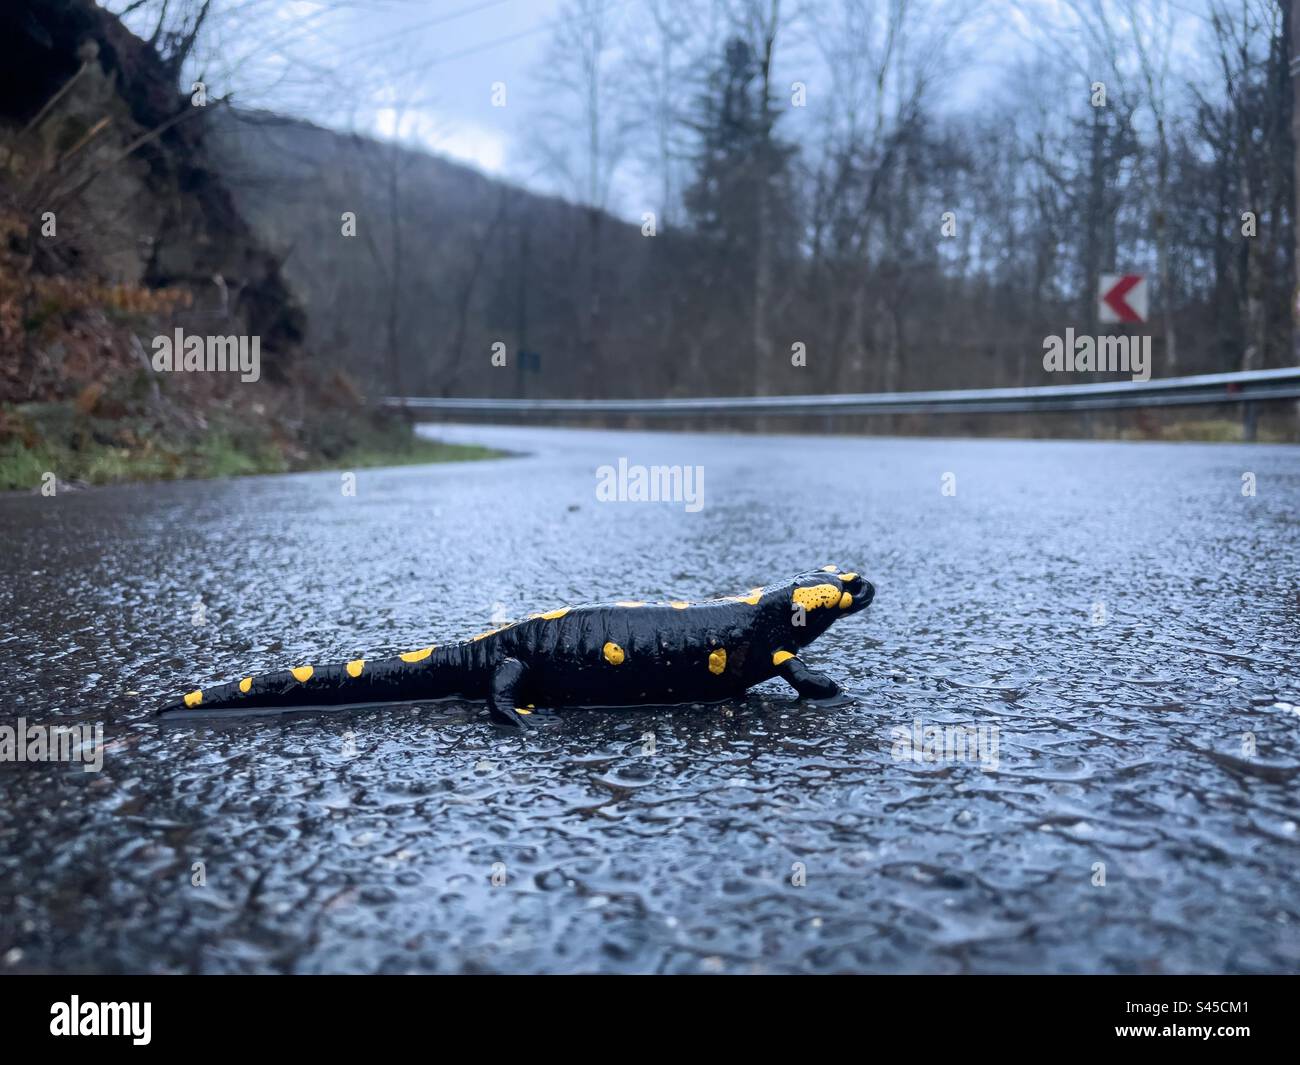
(422, 674)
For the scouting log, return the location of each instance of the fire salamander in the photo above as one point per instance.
(609, 654)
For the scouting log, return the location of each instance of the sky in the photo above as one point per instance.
(459, 49)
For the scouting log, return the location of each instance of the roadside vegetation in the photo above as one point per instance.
(80, 447)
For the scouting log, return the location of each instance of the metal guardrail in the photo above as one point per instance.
(1246, 386)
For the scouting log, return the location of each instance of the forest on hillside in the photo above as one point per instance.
(702, 198)
(916, 213)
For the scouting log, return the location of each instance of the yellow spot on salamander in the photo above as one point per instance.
(521, 710)
(718, 660)
(848, 576)
(355, 667)
(752, 598)
(846, 601)
(829, 569)
(679, 604)
(416, 656)
(817, 595)
(302, 673)
(781, 656)
(551, 615)
(194, 698)
(629, 602)
(613, 654)
(245, 684)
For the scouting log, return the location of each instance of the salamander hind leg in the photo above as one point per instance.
(504, 704)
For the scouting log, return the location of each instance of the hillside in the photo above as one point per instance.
(445, 262)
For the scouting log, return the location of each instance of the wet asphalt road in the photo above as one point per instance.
(1120, 619)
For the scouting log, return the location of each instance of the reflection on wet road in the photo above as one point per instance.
(1119, 620)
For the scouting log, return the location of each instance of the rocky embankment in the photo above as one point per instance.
(116, 228)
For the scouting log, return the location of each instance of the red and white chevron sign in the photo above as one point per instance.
(1123, 298)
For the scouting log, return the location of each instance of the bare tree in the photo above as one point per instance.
(885, 61)
(660, 56)
(1292, 35)
(1153, 26)
(402, 108)
(577, 81)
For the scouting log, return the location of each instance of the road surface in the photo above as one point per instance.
(1118, 625)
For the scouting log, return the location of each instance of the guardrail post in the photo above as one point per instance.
(1249, 421)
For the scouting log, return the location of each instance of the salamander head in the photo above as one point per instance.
(812, 601)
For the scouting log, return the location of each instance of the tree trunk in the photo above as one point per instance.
(1095, 222)
(1291, 32)
(395, 276)
(762, 292)
(1162, 248)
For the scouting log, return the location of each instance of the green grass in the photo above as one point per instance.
(1207, 430)
(54, 438)
(419, 453)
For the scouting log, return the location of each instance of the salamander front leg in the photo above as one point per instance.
(503, 701)
(809, 684)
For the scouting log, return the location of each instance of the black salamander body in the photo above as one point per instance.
(615, 654)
